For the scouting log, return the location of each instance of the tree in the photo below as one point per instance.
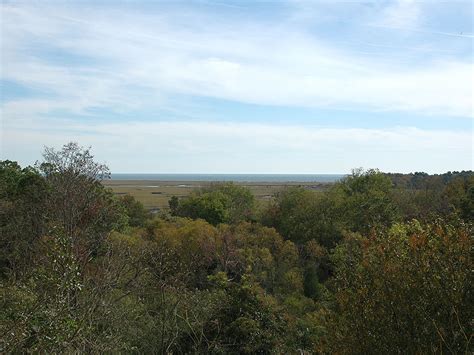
(174, 205)
(23, 196)
(137, 214)
(78, 202)
(408, 289)
(219, 203)
(59, 303)
(301, 215)
(249, 321)
(364, 201)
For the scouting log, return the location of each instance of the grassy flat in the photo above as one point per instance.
(156, 193)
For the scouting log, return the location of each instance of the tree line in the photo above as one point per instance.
(377, 263)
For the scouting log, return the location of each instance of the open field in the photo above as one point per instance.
(155, 194)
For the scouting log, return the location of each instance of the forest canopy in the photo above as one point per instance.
(376, 263)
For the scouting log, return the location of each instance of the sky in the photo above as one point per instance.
(241, 86)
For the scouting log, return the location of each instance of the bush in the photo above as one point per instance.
(219, 203)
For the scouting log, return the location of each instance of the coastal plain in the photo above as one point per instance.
(155, 194)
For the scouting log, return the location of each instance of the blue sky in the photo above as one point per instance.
(241, 86)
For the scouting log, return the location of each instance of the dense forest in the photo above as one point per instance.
(377, 263)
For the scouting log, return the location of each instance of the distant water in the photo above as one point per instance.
(232, 177)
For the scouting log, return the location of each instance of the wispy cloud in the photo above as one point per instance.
(80, 59)
(401, 14)
(247, 62)
(407, 16)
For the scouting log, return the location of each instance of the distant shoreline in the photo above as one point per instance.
(203, 183)
(241, 178)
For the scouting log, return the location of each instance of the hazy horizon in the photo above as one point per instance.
(276, 173)
(287, 87)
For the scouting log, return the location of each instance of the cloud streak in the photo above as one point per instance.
(239, 61)
(401, 14)
(89, 69)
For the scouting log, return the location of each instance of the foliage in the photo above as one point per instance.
(248, 322)
(427, 197)
(78, 202)
(358, 203)
(409, 288)
(365, 201)
(219, 203)
(333, 271)
(301, 215)
(23, 196)
(136, 213)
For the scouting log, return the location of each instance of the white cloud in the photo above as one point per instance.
(134, 59)
(215, 147)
